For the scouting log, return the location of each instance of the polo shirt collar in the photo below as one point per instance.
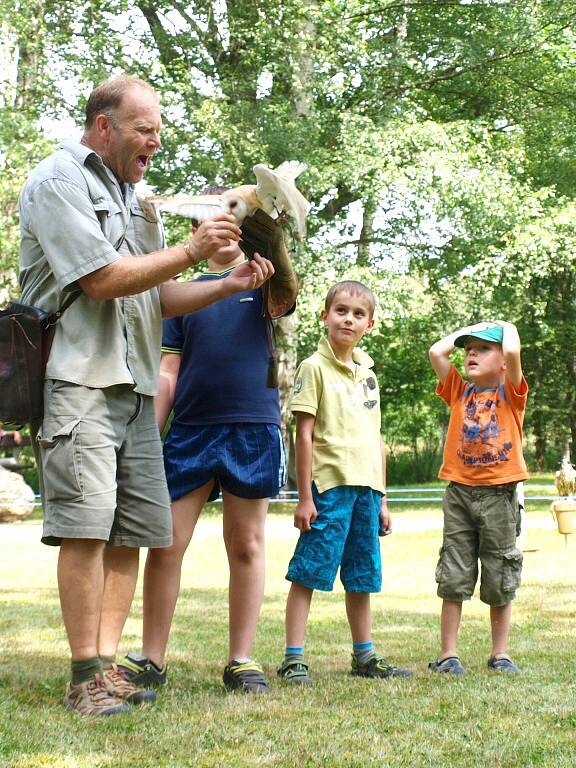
(358, 355)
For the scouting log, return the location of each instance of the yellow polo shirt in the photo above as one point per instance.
(346, 404)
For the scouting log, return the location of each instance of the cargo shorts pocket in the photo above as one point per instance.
(512, 570)
(439, 566)
(61, 460)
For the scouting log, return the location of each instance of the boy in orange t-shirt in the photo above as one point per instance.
(483, 462)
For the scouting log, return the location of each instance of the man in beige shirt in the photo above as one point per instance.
(104, 493)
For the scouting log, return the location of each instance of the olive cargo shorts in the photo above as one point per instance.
(480, 523)
(101, 468)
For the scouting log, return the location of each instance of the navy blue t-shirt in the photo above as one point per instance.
(224, 362)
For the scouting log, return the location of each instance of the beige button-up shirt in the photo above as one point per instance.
(74, 219)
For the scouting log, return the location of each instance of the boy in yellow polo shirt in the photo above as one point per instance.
(340, 469)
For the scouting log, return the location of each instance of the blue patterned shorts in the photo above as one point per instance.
(247, 460)
(345, 535)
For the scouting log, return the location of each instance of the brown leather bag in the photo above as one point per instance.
(26, 335)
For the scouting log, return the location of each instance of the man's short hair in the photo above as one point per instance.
(354, 288)
(107, 97)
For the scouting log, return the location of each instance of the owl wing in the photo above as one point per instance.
(278, 193)
(197, 207)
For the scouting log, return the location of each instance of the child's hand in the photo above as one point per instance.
(305, 515)
(385, 519)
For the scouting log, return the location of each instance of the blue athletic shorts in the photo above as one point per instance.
(247, 460)
(344, 534)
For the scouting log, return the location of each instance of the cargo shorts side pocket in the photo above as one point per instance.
(61, 457)
(511, 570)
(439, 566)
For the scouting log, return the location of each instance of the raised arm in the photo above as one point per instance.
(511, 350)
(439, 353)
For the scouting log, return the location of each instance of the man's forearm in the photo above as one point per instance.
(135, 274)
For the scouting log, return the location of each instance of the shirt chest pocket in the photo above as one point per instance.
(145, 232)
(111, 218)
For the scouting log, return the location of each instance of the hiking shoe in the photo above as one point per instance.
(93, 699)
(450, 665)
(140, 670)
(245, 676)
(124, 690)
(502, 663)
(294, 671)
(377, 666)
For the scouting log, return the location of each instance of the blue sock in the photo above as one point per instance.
(294, 653)
(363, 651)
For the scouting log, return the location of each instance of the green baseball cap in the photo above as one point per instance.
(491, 333)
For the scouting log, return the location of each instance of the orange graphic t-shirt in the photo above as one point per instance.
(484, 440)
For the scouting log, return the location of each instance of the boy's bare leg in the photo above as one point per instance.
(500, 617)
(297, 610)
(162, 575)
(449, 626)
(120, 577)
(244, 524)
(359, 615)
(81, 584)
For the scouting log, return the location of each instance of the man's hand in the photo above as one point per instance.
(305, 515)
(249, 275)
(211, 236)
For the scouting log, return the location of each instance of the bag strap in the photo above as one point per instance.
(55, 316)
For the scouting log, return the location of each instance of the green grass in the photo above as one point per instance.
(528, 720)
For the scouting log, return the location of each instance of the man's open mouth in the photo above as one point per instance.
(142, 161)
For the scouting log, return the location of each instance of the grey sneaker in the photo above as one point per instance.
(502, 663)
(377, 666)
(450, 666)
(246, 676)
(124, 690)
(294, 671)
(93, 699)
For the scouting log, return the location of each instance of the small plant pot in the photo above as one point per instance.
(564, 512)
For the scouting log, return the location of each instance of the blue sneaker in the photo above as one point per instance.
(450, 666)
(502, 663)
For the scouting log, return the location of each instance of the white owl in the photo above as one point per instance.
(275, 193)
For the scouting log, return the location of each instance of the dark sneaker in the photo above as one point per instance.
(93, 699)
(294, 671)
(450, 666)
(502, 663)
(377, 666)
(245, 676)
(138, 669)
(124, 690)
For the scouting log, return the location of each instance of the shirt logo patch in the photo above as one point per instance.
(298, 385)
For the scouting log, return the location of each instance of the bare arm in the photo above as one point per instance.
(511, 350)
(164, 400)
(385, 517)
(439, 353)
(181, 298)
(127, 276)
(306, 510)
